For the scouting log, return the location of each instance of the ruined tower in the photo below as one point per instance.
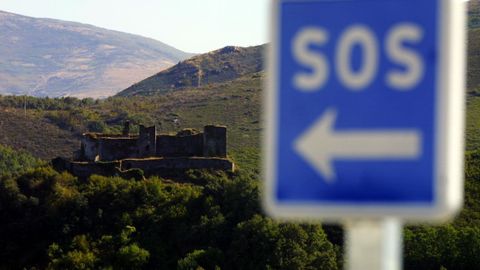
(215, 141)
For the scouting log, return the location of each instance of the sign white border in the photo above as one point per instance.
(449, 148)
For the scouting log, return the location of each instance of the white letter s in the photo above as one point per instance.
(412, 61)
(313, 81)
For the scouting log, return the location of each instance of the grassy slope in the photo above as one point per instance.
(235, 104)
(36, 136)
(221, 65)
(473, 84)
(473, 123)
(473, 58)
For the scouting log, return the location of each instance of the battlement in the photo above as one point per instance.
(212, 142)
(152, 153)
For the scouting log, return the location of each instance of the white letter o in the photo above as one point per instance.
(361, 35)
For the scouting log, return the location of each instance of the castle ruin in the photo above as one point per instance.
(154, 154)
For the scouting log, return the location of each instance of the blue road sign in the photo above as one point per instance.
(365, 108)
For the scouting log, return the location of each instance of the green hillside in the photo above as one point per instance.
(35, 134)
(473, 60)
(222, 65)
(213, 222)
(52, 126)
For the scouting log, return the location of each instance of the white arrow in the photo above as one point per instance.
(321, 144)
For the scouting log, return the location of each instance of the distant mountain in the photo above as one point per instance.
(222, 65)
(46, 57)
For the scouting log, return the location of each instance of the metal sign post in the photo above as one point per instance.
(364, 109)
(374, 244)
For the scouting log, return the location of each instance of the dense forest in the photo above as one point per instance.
(52, 220)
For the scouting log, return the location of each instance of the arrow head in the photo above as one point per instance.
(313, 145)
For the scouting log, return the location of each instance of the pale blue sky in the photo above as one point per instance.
(190, 25)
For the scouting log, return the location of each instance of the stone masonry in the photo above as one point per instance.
(212, 142)
(110, 154)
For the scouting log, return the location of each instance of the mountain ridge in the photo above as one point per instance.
(50, 57)
(222, 65)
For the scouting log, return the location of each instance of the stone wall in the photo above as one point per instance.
(83, 169)
(155, 166)
(117, 148)
(88, 148)
(211, 143)
(129, 168)
(180, 146)
(186, 143)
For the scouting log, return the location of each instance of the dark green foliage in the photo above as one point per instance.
(446, 246)
(35, 208)
(455, 245)
(201, 259)
(13, 162)
(96, 126)
(52, 220)
(117, 252)
(46, 104)
(470, 215)
(134, 173)
(260, 242)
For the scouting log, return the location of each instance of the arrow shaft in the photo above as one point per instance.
(372, 145)
(321, 144)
